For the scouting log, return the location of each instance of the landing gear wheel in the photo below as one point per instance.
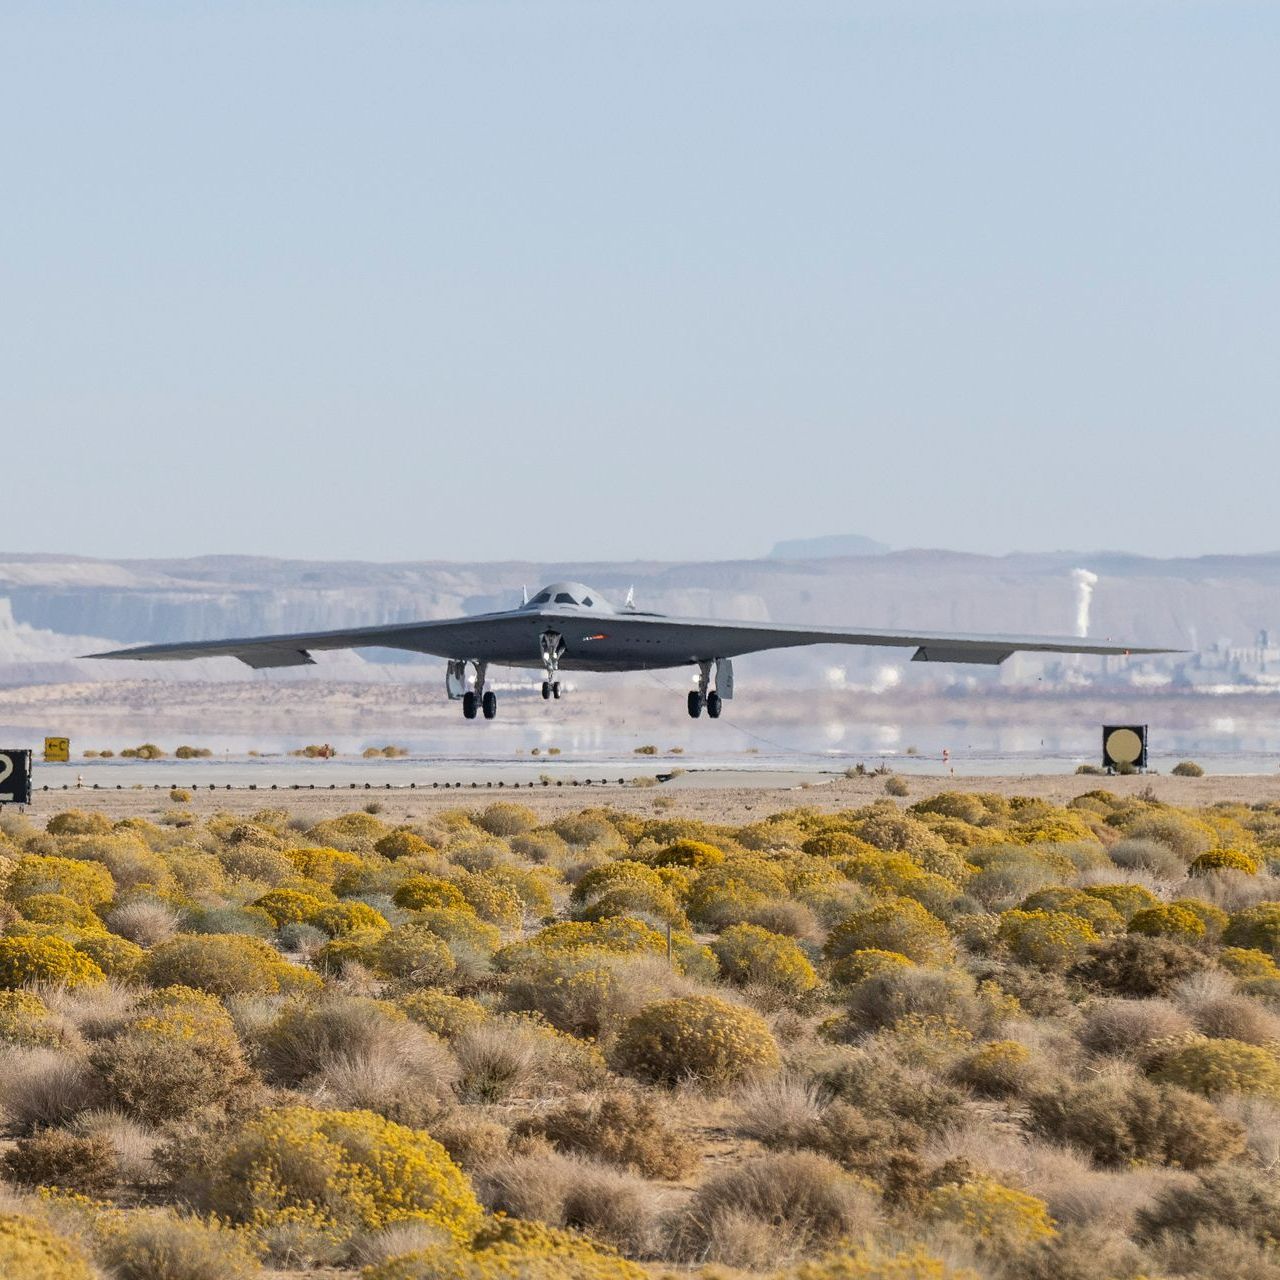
(546, 689)
(469, 704)
(489, 703)
(555, 689)
(713, 705)
(695, 703)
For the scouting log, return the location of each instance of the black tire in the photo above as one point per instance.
(489, 703)
(469, 704)
(546, 689)
(555, 689)
(714, 705)
(695, 703)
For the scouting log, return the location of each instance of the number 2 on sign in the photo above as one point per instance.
(6, 768)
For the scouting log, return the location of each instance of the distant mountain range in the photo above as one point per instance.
(58, 606)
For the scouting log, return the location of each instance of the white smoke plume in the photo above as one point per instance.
(1085, 581)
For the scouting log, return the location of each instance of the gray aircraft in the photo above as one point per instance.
(571, 627)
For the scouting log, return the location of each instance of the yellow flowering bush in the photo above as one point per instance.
(348, 1170)
(418, 892)
(995, 1218)
(58, 909)
(700, 1037)
(1224, 860)
(1257, 927)
(89, 883)
(351, 832)
(30, 1250)
(44, 959)
(403, 843)
(1220, 1067)
(118, 958)
(857, 966)
(289, 906)
(1074, 902)
(749, 954)
(24, 1020)
(322, 865)
(1046, 939)
(871, 1262)
(1248, 962)
(688, 853)
(340, 919)
(901, 925)
(1125, 898)
(1168, 920)
(442, 1014)
(224, 965)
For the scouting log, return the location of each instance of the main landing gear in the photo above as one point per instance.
(705, 696)
(550, 689)
(474, 699)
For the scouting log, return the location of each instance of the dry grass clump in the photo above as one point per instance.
(1000, 1038)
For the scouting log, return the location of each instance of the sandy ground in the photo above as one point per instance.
(728, 800)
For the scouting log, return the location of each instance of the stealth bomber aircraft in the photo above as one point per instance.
(571, 627)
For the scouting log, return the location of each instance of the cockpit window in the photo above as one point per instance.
(563, 597)
(541, 598)
(587, 600)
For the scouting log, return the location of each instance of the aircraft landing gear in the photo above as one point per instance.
(705, 696)
(552, 646)
(477, 698)
(546, 690)
(550, 689)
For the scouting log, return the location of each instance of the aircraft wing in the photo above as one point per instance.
(445, 638)
(707, 640)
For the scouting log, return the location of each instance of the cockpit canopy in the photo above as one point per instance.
(570, 595)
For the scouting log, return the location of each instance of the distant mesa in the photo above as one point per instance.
(837, 544)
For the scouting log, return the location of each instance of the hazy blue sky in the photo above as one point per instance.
(598, 280)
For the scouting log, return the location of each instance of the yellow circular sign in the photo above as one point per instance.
(1124, 746)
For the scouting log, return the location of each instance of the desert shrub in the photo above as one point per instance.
(511, 1247)
(1187, 837)
(55, 1158)
(418, 892)
(870, 1260)
(442, 1014)
(1129, 1028)
(620, 1127)
(494, 902)
(896, 786)
(617, 934)
(159, 1244)
(462, 930)
(31, 1250)
(89, 883)
(351, 832)
(343, 1171)
(1212, 917)
(1248, 962)
(1136, 965)
(403, 843)
(1256, 927)
(859, 965)
(223, 965)
(341, 919)
(46, 958)
(75, 822)
(1047, 939)
(410, 953)
(697, 1037)
(994, 1218)
(289, 906)
(1218, 1067)
(1122, 1120)
(41, 1087)
(58, 909)
(509, 1053)
(751, 955)
(503, 818)
(308, 1038)
(607, 1203)
(1224, 860)
(120, 959)
(1075, 902)
(688, 853)
(902, 925)
(1168, 920)
(143, 922)
(726, 894)
(1126, 899)
(896, 993)
(324, 866)
(1187, 769)
(802, 1200)
(25, 1020)
(1233, 1196)
(1150, 856)
(996, 1069)
(180, 1046)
